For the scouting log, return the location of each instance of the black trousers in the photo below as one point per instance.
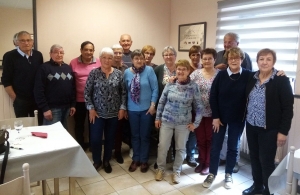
(79, 117)
(262, 144)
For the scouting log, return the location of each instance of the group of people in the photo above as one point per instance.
(195, 104)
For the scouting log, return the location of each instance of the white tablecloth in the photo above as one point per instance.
(277, 181)
(57, 156)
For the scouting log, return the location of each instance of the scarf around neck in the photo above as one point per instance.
(135, 86)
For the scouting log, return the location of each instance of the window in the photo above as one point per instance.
(260, 24)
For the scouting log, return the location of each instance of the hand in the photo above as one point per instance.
(72, 111)
(151, 110)
(172, 79)
(157, 123)
(125, 114)
(221, 66)
(93, 114)
(191, 127)
(280, 73)
(13, 97)
(216, 125)
(121, 114)
(281, 139)
(48, 115)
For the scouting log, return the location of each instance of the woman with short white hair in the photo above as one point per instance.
(105, 98)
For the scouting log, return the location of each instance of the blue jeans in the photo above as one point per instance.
(58, 115)
(191, 144)
(235, 131)
(224, 148)
(109, 126)
(140, 124)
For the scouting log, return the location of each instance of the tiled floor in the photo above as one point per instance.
(123, 182)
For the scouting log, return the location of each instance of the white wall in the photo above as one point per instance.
(70, 22)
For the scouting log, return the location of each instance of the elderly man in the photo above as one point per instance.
(54, 88)
(231, 40)
(126, 42)
(19, 69)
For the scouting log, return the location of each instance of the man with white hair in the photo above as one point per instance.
(54, 88)
(126, 42)
(231, 40)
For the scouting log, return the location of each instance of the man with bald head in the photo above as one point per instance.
(126, 42)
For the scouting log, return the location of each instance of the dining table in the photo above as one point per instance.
(51, 153)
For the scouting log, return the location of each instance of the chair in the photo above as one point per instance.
(27, 121)
(19, 186)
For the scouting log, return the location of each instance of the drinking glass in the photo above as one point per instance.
(18, 125)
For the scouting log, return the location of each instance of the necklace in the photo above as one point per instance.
(235, 79)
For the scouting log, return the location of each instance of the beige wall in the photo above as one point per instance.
(70, 22)
(13, 20)
(193, 11)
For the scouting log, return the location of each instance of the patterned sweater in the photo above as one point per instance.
(176, 103)
(106, 95)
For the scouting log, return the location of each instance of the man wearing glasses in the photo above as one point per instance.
(19, 68)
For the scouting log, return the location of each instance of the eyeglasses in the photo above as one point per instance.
(207, 59)
(234, 59)
(150, 54)
(25, 40)
(58, 53)
(138, 59)
(169, 55)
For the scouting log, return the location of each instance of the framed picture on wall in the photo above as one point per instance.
(191, 34)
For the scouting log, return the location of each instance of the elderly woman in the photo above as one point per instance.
(204, 78)
(81, 67)
(175, 112)
(268, 119)
(227, 101)
(195, 55)
(149, 52)
(105, 99)
(141, 84)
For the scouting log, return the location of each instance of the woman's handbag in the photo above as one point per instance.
(4, 135)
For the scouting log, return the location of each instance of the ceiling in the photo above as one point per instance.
(23, 4)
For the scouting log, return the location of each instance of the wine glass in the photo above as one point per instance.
(18, 125)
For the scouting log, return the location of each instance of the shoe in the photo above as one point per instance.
(208, 181)
(119, 158)
(176, 177)
(131, 152)
(228, 181)
(191, 161)
(199, 168)
(144, 167)
(222, 162)
(236, 168)
(155, 166)
(133, 166)
(107, 167)
(205, 171)
(159, 175)
(266, 192)
(253, 190)
(97, 165)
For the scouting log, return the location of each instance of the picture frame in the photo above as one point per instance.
(191, 34)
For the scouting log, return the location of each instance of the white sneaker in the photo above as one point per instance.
(208, 181)
(159, 175)
(176, 177)
(228, 181)
(131, 152)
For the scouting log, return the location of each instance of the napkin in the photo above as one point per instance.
(40, 134)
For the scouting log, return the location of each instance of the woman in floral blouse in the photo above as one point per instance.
(204, 78)
(105, 98)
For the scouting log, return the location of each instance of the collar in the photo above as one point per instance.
(22, 53)
(79, 59)
(230, 73)
(55, 63)
(256, 75)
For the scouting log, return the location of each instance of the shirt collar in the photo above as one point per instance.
(230, 73)
(80, 60)
(55, 63)
(22, 53)
(256, 75)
